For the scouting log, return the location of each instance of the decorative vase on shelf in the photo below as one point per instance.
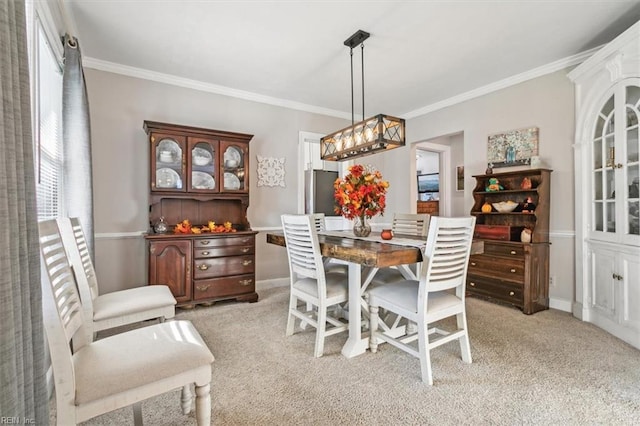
(386, 234)
(360, 227)
(161, 226)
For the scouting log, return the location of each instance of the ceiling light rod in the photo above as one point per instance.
(377, 133)
(357, 38)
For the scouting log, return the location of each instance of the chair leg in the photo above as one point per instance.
(185, 399)
(425, 355)
(320, 332)
(137, 414)
(203, 405)
(373, 328)
(291, 319)
(465, 348)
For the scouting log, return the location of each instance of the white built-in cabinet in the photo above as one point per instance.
(607, 170)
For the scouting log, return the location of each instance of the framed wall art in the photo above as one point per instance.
(512, 148)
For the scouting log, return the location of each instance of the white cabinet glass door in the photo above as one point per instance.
(615, 166)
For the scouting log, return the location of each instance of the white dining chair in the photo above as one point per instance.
(309, 283)
(117, 308)
(92, 378)
(438, 294)
(329, 264)
(406, 224)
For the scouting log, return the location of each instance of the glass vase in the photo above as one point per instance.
(361, 228)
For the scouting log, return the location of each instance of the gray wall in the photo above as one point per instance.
(119, 104)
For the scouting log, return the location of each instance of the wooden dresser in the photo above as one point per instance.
(430, 207)
(202, 176)
(511, 271)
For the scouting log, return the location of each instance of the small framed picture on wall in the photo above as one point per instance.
(460, 178)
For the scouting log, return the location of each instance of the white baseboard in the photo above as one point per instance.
(274, 282)
(560, 304)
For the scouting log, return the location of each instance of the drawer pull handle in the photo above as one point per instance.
(511, 293)
(205, 253)
(205, 242)
(245, 282)
(473, 263)
(472, 284)
(247, 262)
(513, 252)
(203, 266)
(203, 287)
(246, 240)
(246, 249)
(513, 271)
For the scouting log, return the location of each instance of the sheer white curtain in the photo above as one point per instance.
(76, 131)
(22, 353)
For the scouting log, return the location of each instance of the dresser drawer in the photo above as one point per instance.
(223, 287)
(223, 266)
(507, 250)
(240, 240)
(494, 289)
(510, 269)
(204, 253)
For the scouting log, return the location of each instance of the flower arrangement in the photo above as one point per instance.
(362, 193)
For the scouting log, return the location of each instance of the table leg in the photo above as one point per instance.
(356, 344)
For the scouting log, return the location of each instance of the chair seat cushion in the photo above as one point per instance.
(126, 302)
(337, 285)
(403, 297)
(127, 361)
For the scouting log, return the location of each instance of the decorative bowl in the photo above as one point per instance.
(505, 206)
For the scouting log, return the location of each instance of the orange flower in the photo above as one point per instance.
(361, 193)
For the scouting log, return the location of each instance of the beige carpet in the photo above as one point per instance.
(547, 368)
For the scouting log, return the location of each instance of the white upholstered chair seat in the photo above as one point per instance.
(128, 362)
(336, 286)
(403, 297)
(132, 301)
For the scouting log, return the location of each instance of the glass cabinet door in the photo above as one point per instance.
(615, 166)
(202, 164)
(233, 164)
(604, 217)
(631, 165)
(167, 165)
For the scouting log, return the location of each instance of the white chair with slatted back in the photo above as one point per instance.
(309, 282)
(406, 224)
(329, 264)
(439, 294)
(117, 308)
(92, 378)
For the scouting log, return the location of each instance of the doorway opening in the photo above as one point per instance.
(434, 188)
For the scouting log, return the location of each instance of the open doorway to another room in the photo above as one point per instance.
(437, 189)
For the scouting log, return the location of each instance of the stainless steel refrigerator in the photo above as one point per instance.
(318, 191)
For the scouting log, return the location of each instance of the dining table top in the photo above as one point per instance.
(369, 253)
(378, 254)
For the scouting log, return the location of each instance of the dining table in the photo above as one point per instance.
(364, 257)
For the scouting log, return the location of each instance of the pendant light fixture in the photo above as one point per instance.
(371, 135)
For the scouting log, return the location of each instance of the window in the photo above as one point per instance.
(47, 107)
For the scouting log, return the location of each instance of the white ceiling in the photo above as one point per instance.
(420, 53)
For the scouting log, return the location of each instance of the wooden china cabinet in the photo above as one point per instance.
(201, 175)
(511, 270)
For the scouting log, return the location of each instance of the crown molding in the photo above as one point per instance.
(116, 68)
(503, 84)
(159, 77)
